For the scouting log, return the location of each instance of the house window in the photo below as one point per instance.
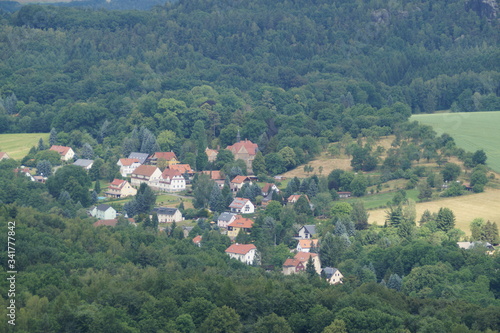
(247, 208)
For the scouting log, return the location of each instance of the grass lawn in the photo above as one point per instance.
(18, 145)
(373, 201)
(471, 130)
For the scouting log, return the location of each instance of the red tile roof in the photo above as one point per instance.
(144, 170)
(239, 179)
(306, 243)
(241, 222)
(182, 168)
(247, 145)
(197, 239)
(240, 248)
(294, 197)
(304, 256)
(215, 174)
(118, 182)
(292, 262)
(128, 161)
(62, 150)
(239, 203)
(168, 155)
(170, 173)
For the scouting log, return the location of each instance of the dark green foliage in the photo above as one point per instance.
(74, 180)
(450, 172)
(445, 219)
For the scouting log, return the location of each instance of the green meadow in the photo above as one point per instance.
(471, 131)
(18, 145)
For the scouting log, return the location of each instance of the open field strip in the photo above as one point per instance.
(18, 145)
(471, 131)
(466, 208)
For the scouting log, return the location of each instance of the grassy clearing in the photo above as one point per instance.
(18, 145)
(373, 201)
(466, 208)
(471, 131)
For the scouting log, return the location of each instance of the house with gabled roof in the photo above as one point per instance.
(169, 157)
(303, 257)
(171, 181)
(244, 150)
(84, 163)
(197, 240)
(294, 197)
(214, 174)
(307, 231)
(4, 156)
(242, 206)
(293, 266)
(148, 174)
(103, 212)
(305, 245)
(238, 182)
(184, 169)
(168, 215)
(142, 157)
(332, 275)
(211, 154)
(128, 165)
(239, 224)
(120, 188)
(66, 153)
(225, 218)
(246, 253)
(269, 188)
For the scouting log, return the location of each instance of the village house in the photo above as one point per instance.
(171, 181)
(216, 176)
(24, 171)
(225, 218)
(305, 245)
(148, 174)
(197, 240)
(303, 257)
(238, 182)
(168, 215)
(4, 156)
(307, 231)
(66, 153)
(127, 165)
(184, 169)
(163, 159)
(211, 154)
(246, 253)
(86, 164)
(294, 197)
(332, 275)
(293, 266)
(269, 188)
(344, 195)
(244, 150)
(242, 206)
(239, 224)
(119, 188)
(103, 212)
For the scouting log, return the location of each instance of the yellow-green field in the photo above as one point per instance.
(471, 131)
(466, 208)
(18, 145)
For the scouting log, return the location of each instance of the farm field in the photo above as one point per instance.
(18, 145)
(471, 131)
(466, 208)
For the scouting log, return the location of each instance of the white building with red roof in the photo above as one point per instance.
(238, 182)
(148, 174)
(66, 152)
(197, 240)
(305, 245)
(168, 157)
(246, 253)
(304, 258)
(244, 150)
(242, 206)
(119, 188)
(183, 169)
(128, 165)
(293, 266)
(171, 181)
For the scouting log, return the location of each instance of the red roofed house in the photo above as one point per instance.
(182, 168)
(168, 157)
(242, 205)
(268, 188)
(240, 223)
(214, 174)
(128, 165)
(4, 156)
(211, 154)
(293, 266)
(171, 181)
(244, 150)
(238, 182)
(119, 188)
(245, 253)
(305, 245)
(197, 240)
(148, 174)
(66, 152)
(304, 257)
(293, 198)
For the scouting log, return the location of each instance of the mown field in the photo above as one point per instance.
(466, 208)
(18, 145)
(471, 131)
